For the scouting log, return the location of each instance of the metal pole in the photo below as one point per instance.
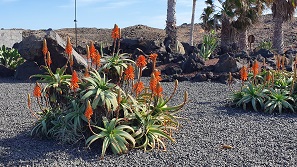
(75, 21)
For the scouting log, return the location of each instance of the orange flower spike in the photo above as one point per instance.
(138, 87)
(116, 32)
(157, 74)
(153, 83)
(49, 59)
(37, 90)
(74, 81)
(92, 50)
(97, 58)
(89, 111)
(153, 57)
(159, 90)
(141, 61)
(243, 73)
(255, 68)
(129, 73)
(44, 48)
(68, 49)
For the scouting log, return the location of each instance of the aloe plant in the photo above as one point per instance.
(57, 85)
(279, 100)
(253, 95)
(150, 131)
(113, 135)
(100, 91)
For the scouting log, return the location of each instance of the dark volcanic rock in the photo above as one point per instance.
(5, 72)
(199, 78)
(263, 52)
(227, 63)
(193, 63)
(172, 69)
(27, 69)
(31, 49)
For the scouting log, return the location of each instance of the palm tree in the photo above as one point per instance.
(282, 11)
(192, 23)
(235, 15)
(246, 13)
(171, 30)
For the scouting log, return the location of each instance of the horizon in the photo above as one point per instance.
(36, 15)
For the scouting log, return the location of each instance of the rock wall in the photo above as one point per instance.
(10, 37)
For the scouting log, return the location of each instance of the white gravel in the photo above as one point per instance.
(258, 139)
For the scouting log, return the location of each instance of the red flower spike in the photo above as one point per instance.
(243, 73)
(37, 90)
(255, 68)
(153, 83)
(89, 111)
(68, 49)
(97, 58)
(44, 48)
(74, 81)
(138, 87)
(159, 90)
(157, 74)
(92, 50)
(48, 59)
(116, 32)
(129, 73)
(141, 61)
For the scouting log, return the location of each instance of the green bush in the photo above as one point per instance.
(265, 45)
(10, 58)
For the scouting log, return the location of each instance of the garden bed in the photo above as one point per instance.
(257, 138)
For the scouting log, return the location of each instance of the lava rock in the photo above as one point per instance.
(193, 63)
(27, 69)
(263, 52)
(227, 63)
(5, 72)
(171, 70)
(199, 78)
(31, 49)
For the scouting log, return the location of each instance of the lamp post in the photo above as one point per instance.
(75, 22)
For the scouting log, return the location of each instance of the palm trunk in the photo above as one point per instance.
(278, 34)
(242, 40)
(226, 32)
(192, 23)
(171, 30)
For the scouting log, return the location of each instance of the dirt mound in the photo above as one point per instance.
(84, 35)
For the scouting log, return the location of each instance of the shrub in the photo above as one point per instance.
(10, 58)
(120, 113)
(265, 45)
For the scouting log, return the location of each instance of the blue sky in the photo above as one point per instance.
(56, 14)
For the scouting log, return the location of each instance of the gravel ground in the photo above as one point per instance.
(257, 139)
